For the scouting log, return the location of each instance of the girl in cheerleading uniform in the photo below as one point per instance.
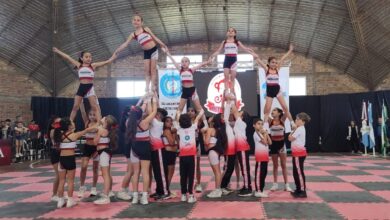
(148, 41)
(65, 138)
(106, 141)
(187, 145)
(170, 144)
(187, 82)
(138, 138)
(273, 88)
(157, 155)
(86, 73)
(54, 123)
(215, 141)
(89, 151)
(242, 149)
(262, 140)
(230, 46)
(299, 154)
(278, 147)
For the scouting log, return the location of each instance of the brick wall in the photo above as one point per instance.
(16, 90)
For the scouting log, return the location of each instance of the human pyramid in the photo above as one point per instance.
(154, 140)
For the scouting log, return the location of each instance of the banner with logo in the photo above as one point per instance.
(284, 74)
(169, 90)
(215, 94)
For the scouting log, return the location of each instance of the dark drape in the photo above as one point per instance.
(330, 115)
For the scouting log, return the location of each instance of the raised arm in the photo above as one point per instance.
(290, 50)
(84, 113)
(155, 38)
(235, 112)
(177, 66)
(66, 57)
(99, 64)
(145, 123)
(218, 50)
(199, 116)
(226, 112)
(261, 63)
(124, 45)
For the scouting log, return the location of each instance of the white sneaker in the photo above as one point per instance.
(191, 198)
(287, 188)
(260, 194)
(144, 198)
(70, 203)
(217, 193)
(184, 198)
(123, 195)
(226, 191)
(93, 191)
(274, 187)
(54, 198)
(81, 191)
(135, 198)
(102, 200)
(111, 194)
(60, 202)
(198, 188)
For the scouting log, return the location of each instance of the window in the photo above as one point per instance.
(244, 62)
(297, 85)
(130, 88)
(194, 60)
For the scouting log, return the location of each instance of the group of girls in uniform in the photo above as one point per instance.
(154, 140)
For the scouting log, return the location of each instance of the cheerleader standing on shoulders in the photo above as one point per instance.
(148, 41)
(86, 71)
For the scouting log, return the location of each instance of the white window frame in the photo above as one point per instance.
(130, 88)
(295, 88)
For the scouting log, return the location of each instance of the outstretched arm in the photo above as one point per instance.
(66, 57)
(124, 45)
(261, 63)
(247, 49)
(145, 123)
(199, 116)
(155, 38)
(177, 66)
(99, 64)
(218, 50)
(235, 112)
(290, 50)
(202, 64)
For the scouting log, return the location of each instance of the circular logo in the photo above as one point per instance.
(215, 94)
(187, 137)
(170, 84)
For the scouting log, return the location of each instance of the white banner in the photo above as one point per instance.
(284, 74)
(169, 90)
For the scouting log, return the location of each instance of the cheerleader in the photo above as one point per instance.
(89, 152)
(54, 123)
(230, 46)
(278, 147)
(215, 141)
(170, 152)
(106, 141)
(187, 145)
(262, 140)
(198, 136)
(148, 41)
(273, 88)
(86, 72)
(65, 138)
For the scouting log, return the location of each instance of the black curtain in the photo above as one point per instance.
(330, 115)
